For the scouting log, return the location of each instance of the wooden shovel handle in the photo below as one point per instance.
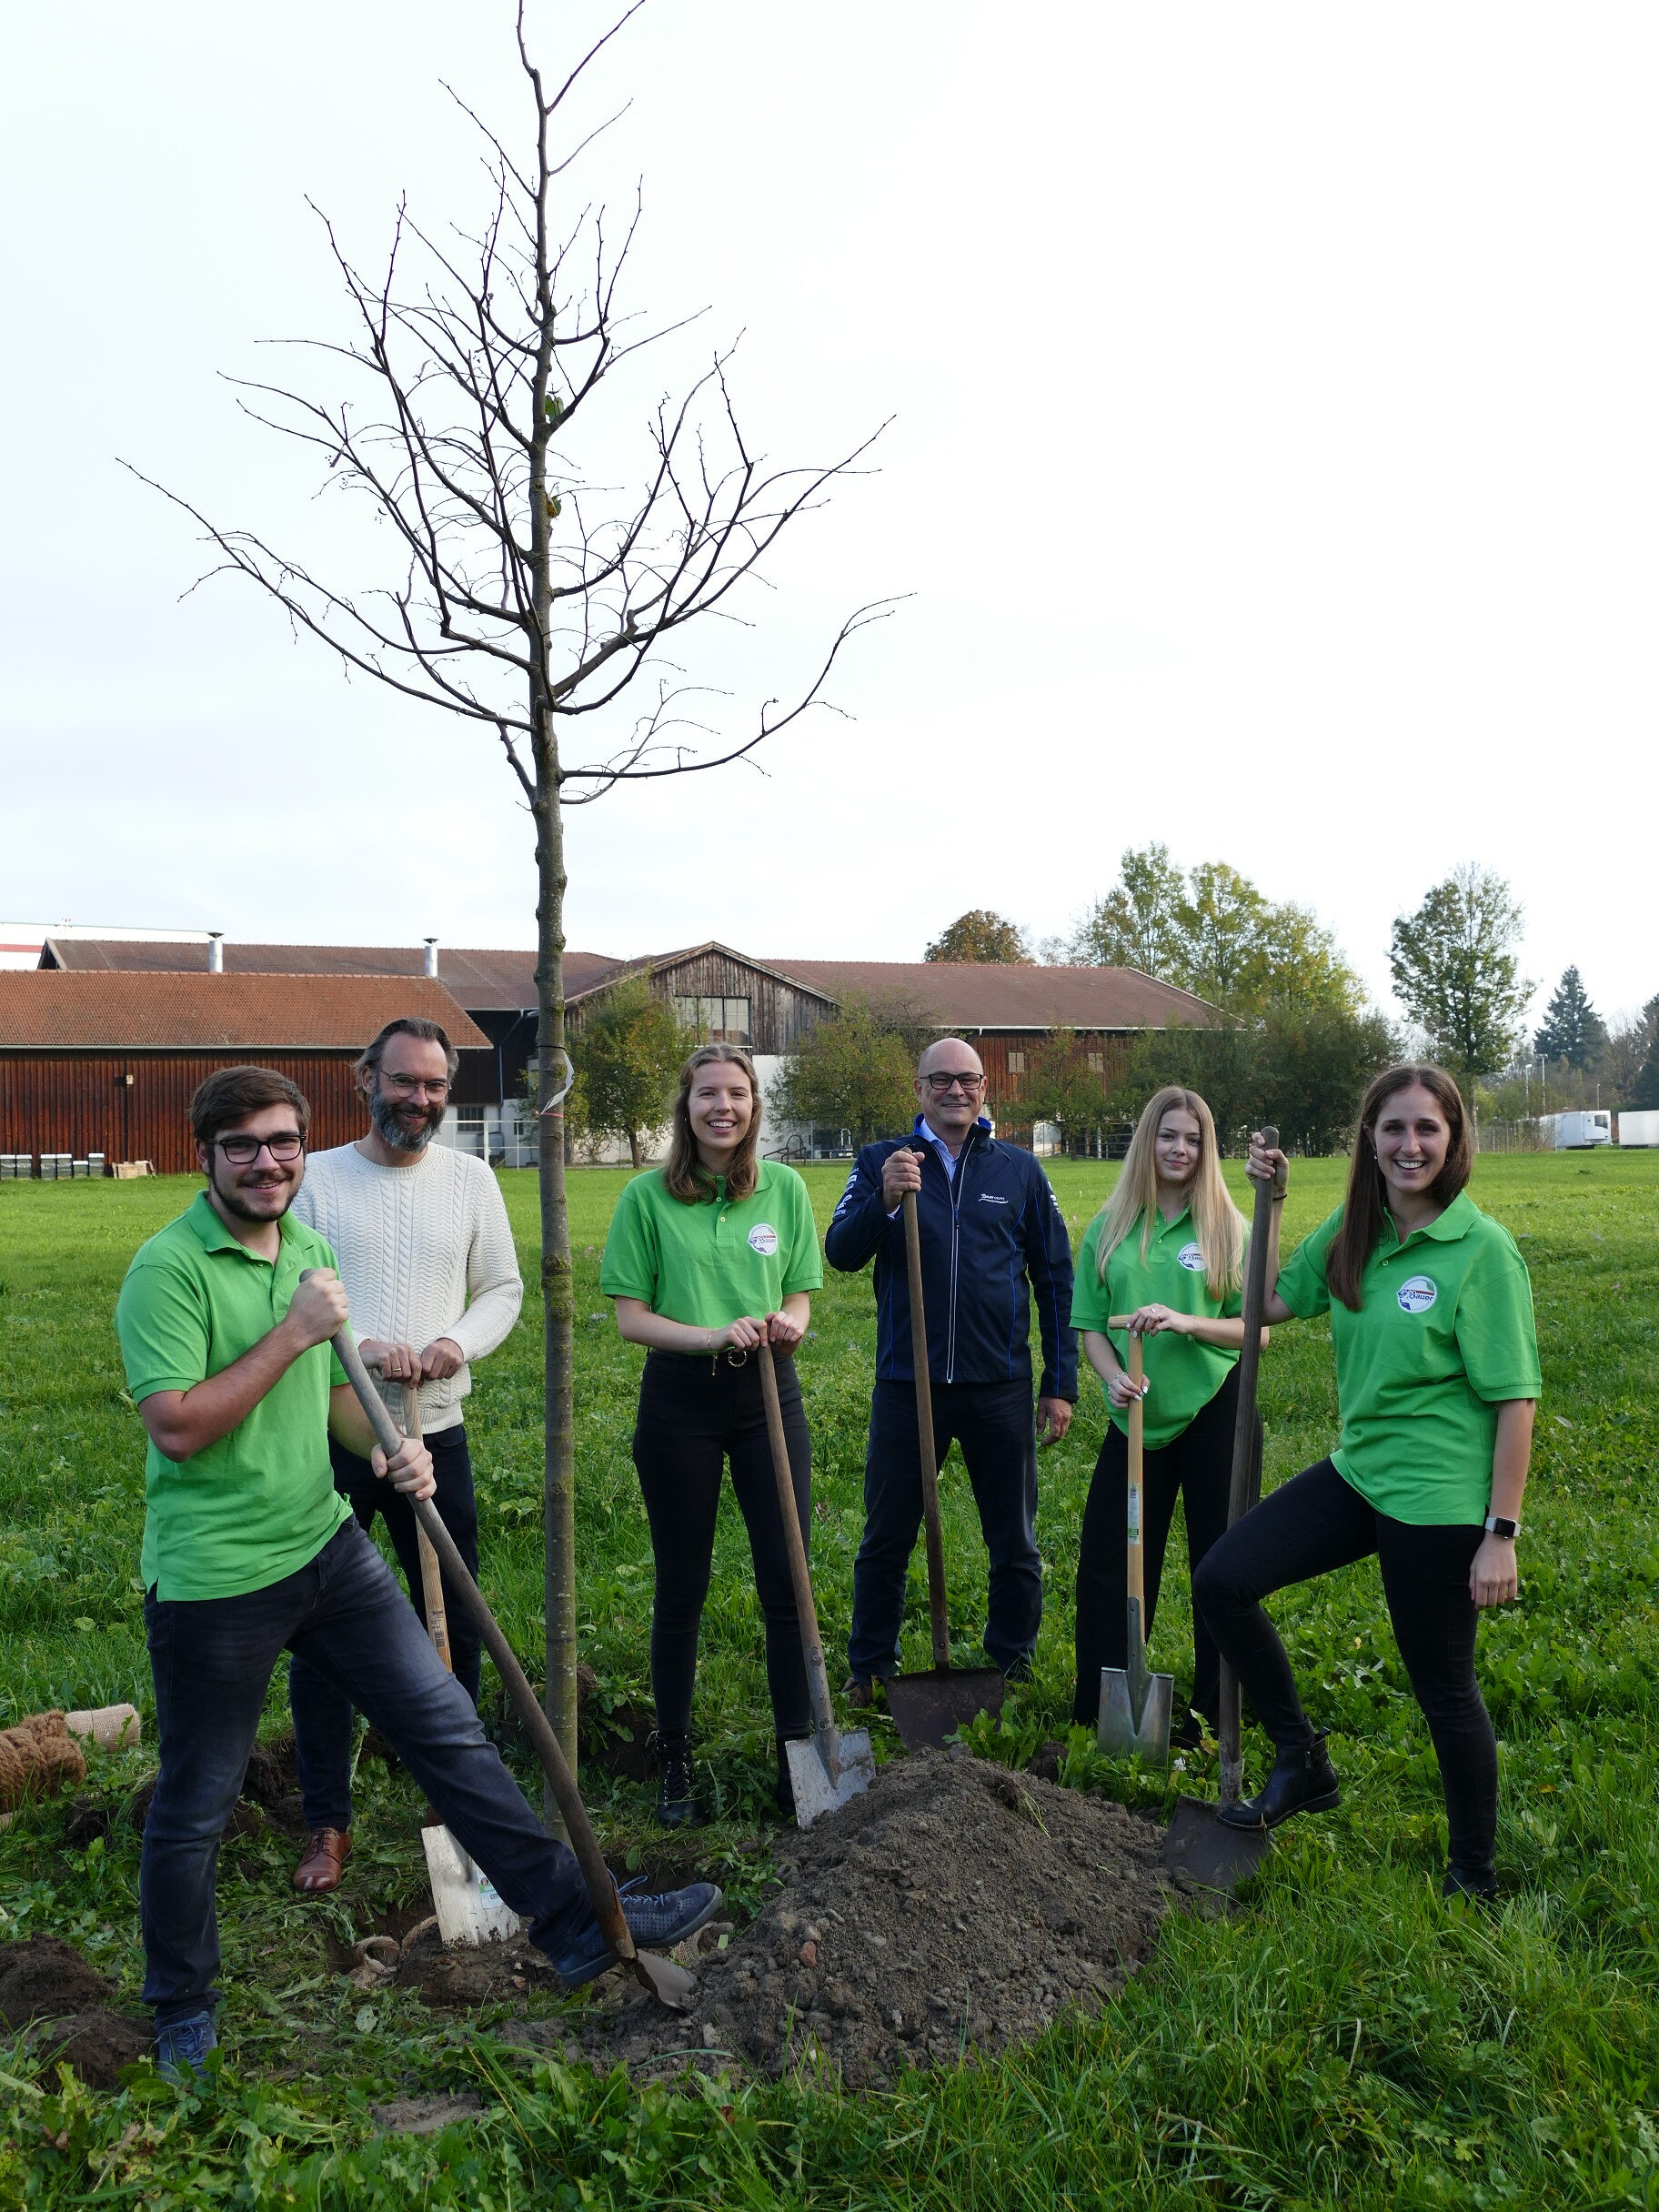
(939, 1617)
(1245, 1487)
(1137, 1477)
(601, 1889)
(806, 1611)
(431, 1574)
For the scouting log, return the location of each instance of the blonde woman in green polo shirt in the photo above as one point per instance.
(1166, 1250)
(1436, 1383)
(709, 1256)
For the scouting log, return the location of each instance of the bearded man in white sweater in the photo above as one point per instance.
(426, 1254)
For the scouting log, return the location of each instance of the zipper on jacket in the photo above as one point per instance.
(956, 1221)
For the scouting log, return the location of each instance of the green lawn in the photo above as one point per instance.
(1341, 2042)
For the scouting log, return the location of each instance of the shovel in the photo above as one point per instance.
(469, 1908)
(827, 1767)
(1134, 1702)
(927, 1708)
(670, 1984)
(1196, 1843)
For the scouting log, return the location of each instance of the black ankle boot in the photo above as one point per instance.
(1300, 1782)
(676, 1807)
(786, 1786)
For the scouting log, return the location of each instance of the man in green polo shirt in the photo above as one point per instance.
(248, 1549)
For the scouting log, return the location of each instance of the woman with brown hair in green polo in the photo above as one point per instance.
(709, 1256)
(1436, 1379)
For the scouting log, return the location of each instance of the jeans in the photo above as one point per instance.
(212, 1660)
(322, 1713)
(694, 1416)
(1308, 1526)
(995, 1424)
(1197, 1465)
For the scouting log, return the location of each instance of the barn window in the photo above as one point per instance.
(1016, 1063)
(1097, 1061)
(726, 1018)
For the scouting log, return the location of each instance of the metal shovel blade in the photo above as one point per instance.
(823, 1783)
(1119, 1733)
(1207, 1852)
(927, 1708)
(468, 1909)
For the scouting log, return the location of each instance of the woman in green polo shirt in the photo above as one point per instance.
(1166, 1250)
(707, 1257)
(1436, 1383)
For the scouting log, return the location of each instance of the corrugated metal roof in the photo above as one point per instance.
(994, 995)
(41, 1010)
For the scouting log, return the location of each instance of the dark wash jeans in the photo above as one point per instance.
(322, 1714)
(1318, 1521)
(695, 1415)
(344, 1614)
(996, 1425)
(1196, 1466)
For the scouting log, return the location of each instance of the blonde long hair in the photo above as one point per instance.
(683, 1170)
(1218, 1222)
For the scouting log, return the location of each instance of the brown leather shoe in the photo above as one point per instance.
(325, 1857)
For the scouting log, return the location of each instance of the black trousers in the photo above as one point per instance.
(323, 1724)
(996, 1425)
(1318, 1521)
(694, 1417)
(1196, 1466)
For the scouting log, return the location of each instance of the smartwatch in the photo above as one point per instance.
(1497, 1526)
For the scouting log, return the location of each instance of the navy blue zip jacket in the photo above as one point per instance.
(990, 1242)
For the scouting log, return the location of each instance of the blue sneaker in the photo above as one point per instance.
(182, 2045)
(656, 1924)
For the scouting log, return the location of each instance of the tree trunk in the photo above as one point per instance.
(558, 1291)
(634, 1152)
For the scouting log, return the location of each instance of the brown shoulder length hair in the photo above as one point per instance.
(1366, 1202)
(683, 1170)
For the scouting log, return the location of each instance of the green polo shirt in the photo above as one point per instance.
(261, 1502)
(707, 1264)
(1184, 1374)
(1444, 1335)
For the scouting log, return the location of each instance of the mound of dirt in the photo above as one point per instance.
(955, 1906)
(47, 1988)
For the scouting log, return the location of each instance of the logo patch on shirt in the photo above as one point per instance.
(764, 1239)
(1192, 1257)
(1417, 1295)
(991, 1198)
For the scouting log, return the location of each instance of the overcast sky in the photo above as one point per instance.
(1272, 469)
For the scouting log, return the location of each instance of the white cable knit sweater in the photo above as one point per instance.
(424, 1251)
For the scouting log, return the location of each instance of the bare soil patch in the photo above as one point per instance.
(955, 1907)
(47, 1988)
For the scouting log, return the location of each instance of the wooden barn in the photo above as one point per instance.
(105, 1062)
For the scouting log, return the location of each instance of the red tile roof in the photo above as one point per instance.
(43, 1011)
(488, 979)
(994, 995)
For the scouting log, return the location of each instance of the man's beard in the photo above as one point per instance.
(398, 1134)
(231, 1199)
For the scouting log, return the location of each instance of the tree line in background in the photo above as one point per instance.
(1297, 1049)
(1299, 1042)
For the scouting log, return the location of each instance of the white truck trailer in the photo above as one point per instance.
(1639, 1128)
(1575, 1132)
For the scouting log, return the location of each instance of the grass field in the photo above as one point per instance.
(1341, 2042)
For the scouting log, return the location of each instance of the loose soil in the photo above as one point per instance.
(954, 1907)
(47, 1988)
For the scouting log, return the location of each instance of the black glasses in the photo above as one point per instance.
(943, 1083)
(242, 1152)
(405, 1086)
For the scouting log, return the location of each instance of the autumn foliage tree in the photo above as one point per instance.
(980, 935)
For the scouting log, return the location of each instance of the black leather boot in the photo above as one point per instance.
(1481, 1882)
(676, 1806)
(1300, 1782)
